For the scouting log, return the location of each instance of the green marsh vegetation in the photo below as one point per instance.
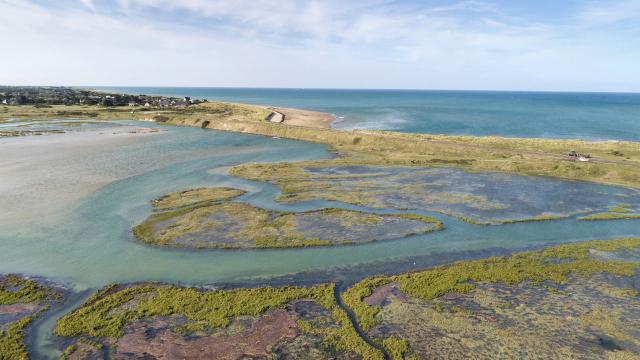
(617, 212)
(621, 208)
(533, 219)
(554, 265)
(470, 197)
(610, 216)
(12, 345)
(517, 321)
(203, 218)
(16, 290)
(106, 315)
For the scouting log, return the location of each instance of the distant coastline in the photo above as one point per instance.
(611, 162)
(550, 115)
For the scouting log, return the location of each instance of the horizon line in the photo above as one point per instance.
(358, 89)
(333, 88)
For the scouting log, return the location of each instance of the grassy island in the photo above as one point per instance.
(203, 218)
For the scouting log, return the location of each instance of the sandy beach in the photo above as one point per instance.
(306, 118)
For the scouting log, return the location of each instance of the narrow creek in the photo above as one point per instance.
(354, 322)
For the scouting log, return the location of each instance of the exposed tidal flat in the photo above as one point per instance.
(89, 244)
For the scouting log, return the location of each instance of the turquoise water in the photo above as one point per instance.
(590, 116)
(89, 244)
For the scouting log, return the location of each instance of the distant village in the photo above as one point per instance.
(44, 96)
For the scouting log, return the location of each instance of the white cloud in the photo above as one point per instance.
(610, 12)
(307, 44)
(89, 4)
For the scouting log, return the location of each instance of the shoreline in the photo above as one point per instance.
(611, 162)
(25, 180)
(302, 117)
(390, 149)
(522, 156)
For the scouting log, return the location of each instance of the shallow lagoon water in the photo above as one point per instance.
(89, 244)
(92, 245)
(484, 197)
(61, 125)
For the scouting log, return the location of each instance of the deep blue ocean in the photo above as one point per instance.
(589, 116)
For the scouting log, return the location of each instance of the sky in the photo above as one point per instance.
(545, 45)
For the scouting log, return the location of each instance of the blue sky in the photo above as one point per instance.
(468, 44)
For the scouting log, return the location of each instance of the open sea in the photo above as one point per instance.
(589, 116)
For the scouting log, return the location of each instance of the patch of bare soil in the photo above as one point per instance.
(380, 295)
(154, 338)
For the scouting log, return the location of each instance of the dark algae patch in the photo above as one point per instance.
(22, 300)
(155, 320)
(204, 218)
(560, 302)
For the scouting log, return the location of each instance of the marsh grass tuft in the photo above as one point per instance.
(610, 216)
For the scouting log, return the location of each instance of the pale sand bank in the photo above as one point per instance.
(43, 175)
(306, 118)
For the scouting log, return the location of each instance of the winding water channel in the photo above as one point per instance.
(84, 239)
